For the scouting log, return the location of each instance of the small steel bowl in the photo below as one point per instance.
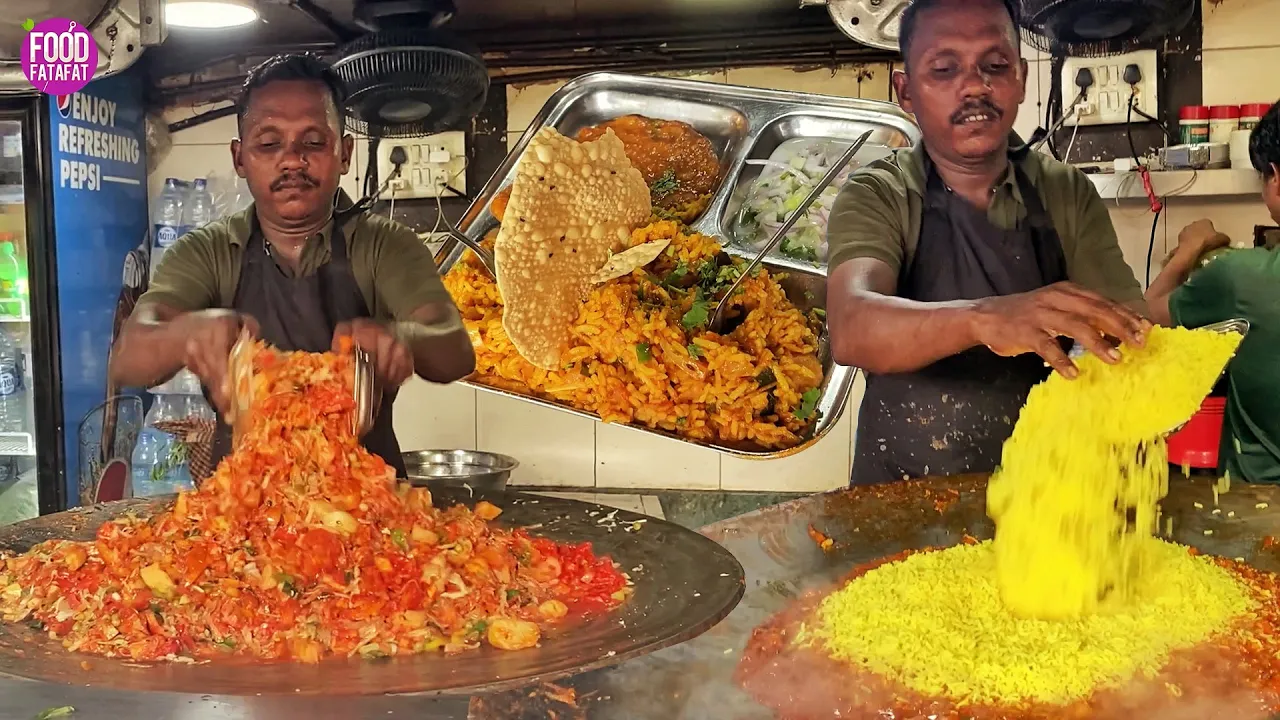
(459, 468)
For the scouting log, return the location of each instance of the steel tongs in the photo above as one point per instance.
(717, 317)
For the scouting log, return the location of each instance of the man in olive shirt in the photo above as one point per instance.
(299, 268)
(1243, 283)
(958, 266)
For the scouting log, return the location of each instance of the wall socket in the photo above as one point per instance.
(1108, 99)
(433, 162)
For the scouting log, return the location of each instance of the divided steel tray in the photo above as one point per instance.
(742, 124)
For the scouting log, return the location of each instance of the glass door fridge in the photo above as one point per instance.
(73, 211)
(31, 462)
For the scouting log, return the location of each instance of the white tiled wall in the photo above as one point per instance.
(558, 449)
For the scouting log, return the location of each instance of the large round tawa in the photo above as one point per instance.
(684, 584)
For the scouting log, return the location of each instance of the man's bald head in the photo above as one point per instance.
(918, 11)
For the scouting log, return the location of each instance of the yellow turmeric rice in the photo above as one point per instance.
(936, 623)
(641, 353)
(1075, 594)
(1077, 491)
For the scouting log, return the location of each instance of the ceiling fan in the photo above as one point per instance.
(409, 76)
(1079, 28)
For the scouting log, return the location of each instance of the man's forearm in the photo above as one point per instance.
(885, 334)
(149, 350)
(441, 348)
(1171, 277)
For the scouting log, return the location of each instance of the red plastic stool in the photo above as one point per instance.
(1196, 444)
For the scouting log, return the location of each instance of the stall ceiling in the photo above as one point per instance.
(500, 25)
(520, 39)
(17, 11)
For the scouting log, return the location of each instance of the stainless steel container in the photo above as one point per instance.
(743, 124)
(459, 468)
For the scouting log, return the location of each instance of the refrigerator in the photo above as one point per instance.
(73, 201)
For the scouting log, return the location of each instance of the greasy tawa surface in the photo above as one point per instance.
(694, 681)
(684, 584)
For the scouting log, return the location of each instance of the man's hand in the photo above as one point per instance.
(209, 336)
(1032, 322)
(1199, 238)
(392, 359)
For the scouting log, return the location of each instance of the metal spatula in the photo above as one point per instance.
(240, 384)
(368, 397)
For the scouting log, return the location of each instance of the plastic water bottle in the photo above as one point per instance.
(160, 464)
(13, 390)
(166, 219)
(198, 210)
(12, 281)
(159, 461)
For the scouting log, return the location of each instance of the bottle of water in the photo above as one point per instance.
(166, 219)
(13, 390)
(159, 460)
(198, 210)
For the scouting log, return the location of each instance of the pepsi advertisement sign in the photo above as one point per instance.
(93, 140)
(99, 171)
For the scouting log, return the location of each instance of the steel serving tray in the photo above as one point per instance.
(742, 123)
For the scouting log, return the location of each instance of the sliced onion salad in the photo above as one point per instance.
(786, 179)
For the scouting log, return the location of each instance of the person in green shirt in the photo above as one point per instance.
(1243, 283)
(959, 266)
(301, 268)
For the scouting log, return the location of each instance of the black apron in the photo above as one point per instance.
(953, 416)
(300, 313)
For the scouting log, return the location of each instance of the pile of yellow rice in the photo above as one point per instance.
(641, 353)
(1075, 594)
(1075, 500)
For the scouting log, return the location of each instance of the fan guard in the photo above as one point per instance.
(1090, 28)
(411, 82)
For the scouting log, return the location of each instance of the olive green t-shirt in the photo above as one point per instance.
(1244, 284)
(394, 269)
(879, 210)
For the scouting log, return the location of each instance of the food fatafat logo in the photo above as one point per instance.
(59, 56)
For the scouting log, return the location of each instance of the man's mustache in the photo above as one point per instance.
(301, 180)
(974, 107)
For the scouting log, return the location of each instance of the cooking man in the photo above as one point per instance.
(1244, 283)
(958, 266)
(298, 268)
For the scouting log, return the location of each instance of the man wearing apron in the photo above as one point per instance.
(960, 267)
(301, 268)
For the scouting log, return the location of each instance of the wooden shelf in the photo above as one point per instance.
(1180, 183)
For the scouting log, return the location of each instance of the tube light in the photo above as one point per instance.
(209, 13)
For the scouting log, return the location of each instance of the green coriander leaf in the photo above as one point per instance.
(808, 403)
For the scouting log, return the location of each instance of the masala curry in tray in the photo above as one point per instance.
(678, 164)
